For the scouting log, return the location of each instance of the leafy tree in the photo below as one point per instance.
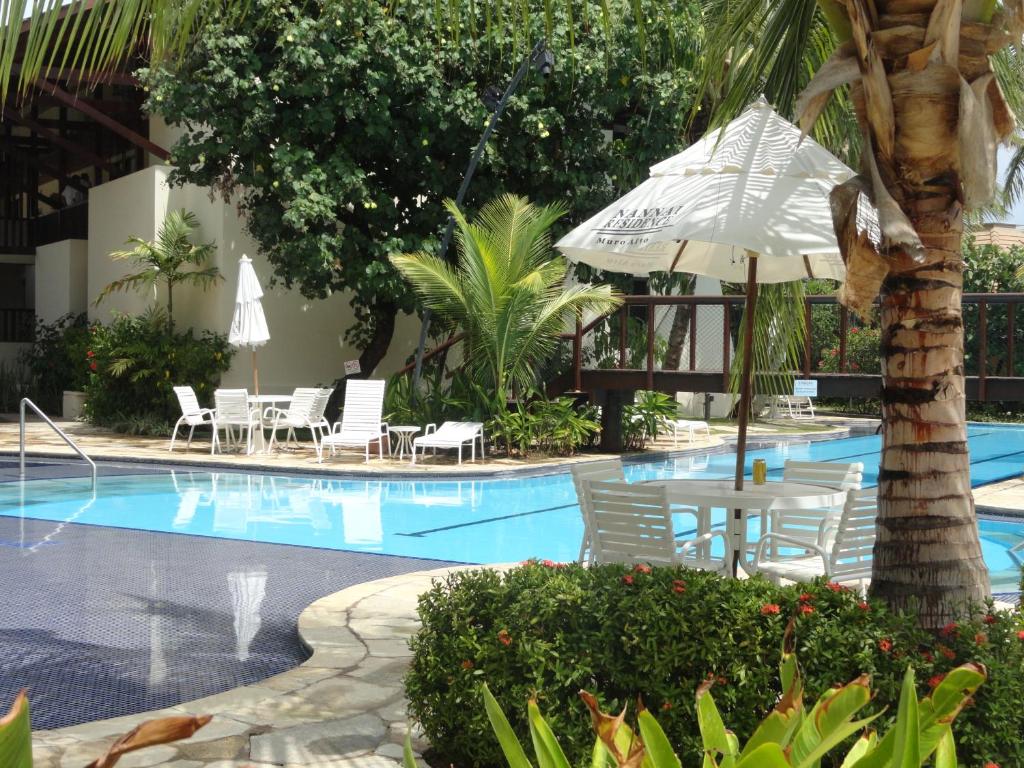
(165, 259)
(341, 127)
(929, 113)
(506, 292)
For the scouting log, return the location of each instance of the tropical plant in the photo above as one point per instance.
(58, 359)
(135, 363)
(555, 427)
(930, 111)
(165, 260)
(15, 383)
(549, 629)
(16, 736)
(506, 292)
(789, 737)
(643, 418)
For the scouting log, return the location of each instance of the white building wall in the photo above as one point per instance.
(61, 279)
(306, 346)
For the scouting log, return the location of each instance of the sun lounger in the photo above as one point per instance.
(451, 434)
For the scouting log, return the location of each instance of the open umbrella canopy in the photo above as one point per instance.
(248, 324)
(755, 185)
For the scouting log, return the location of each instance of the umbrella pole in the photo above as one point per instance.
(255, 374)
(746, 393)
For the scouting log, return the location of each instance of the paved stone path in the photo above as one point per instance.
(343, 708)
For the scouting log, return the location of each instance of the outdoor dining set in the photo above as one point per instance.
(245, 420)
(816, 521)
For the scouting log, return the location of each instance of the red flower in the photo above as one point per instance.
(990, 764)
(548, 563)
(885, 645)
(863, 606)
(806, 609)
(642, 568)
(927, 656)
(627, 579)
(990, 619)
(935, 680)
(1020, 635)
(806, 597)
(835, 587)
(666, 705)
(722, 680)
(504, 637)
(89, 353)
(855, 329)
(679, 586)
(949, 653)
(467, 664)
(769, 609)
(981, 638)
(92, 366)
(949, 630)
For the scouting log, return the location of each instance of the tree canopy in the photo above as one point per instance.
(340, 128)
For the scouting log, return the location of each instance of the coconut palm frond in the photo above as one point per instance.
(778, 342)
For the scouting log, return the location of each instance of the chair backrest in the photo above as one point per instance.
(582, 474)
(323, 396)
(834, 474)
(456, 429)
(303, 401)
(232, 406)
(187, 400)
(630, 523)
(364, 405)
(854, 546)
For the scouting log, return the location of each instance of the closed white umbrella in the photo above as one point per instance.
(749, 201)
(248, 324)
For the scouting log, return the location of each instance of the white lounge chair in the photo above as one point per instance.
(632, 523)
(582, 473)
(233, 411)
(361, 422)
(451, 434)
(689, 427)
(797, 407)
(194, 416)
(845, 555)
(306, 411)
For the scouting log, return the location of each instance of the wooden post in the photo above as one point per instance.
(844, 320)
(577, 356)
(982, 348)
(807, 338)
(1011, 310)
(623, 325)
(650, 346)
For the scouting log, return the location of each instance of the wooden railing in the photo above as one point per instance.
(16, 236)
(17, 325)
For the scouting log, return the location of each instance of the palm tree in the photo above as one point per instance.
(920, 80)
(163, 261)
(506, 292)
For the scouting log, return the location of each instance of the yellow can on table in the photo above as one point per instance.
(760, 471)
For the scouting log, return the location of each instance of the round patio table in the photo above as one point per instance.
(262, 402)
(764, 499)
(403, 438)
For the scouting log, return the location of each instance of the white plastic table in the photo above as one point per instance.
(259, 443)
(764, 499)
(403, 438)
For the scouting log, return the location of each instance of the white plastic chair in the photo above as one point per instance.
(361, 419)
(846, 556)
(797, 407)
(306, 411)
(688, 426)
(811, 524)
(233, 411)
(194, 416)
(632, 524)
(582, 473)
(451, 434)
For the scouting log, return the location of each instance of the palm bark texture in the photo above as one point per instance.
(931, 114)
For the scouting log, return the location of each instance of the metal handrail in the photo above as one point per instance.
(21, 425)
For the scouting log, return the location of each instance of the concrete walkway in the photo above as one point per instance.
(343, 708)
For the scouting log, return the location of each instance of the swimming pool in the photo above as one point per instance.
(472, 521)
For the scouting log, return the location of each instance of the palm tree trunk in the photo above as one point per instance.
(676, 337)
(927, 554)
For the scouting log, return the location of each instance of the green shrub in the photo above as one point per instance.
(551, 630)
(862, 350)
(642, 419)
(57, 360)
(136, 362)
(555, 427)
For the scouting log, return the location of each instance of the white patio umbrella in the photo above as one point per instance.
(248, 324)
(749, 201)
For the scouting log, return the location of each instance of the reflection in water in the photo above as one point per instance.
(247, 592)
(360, 510)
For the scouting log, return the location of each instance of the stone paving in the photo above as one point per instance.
(1006, 497)
(343, 708)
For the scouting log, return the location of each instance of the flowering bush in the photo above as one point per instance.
(861, 352)
(548, 630)
(134, 364)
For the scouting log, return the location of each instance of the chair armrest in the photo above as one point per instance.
(271, 411)
(792, 541)
(431, 427)
(702, 539)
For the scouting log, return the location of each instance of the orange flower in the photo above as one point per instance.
(981, 638)
(642, 568)
(627, 579)
(885, 645)
(949, 630)
(806, 597)
(990, 764)
(927, 656)
(679, 586)
(935, 680)
(863, 606)
(806, 610)
(835, 587)
(504, 637)
(990, 619)
(769, 609)
(949, 653)
(666, 705)
(467, 664)
(1020, 635)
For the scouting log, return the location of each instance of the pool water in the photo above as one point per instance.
(472, 521)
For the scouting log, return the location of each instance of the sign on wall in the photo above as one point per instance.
(805, 388)
(351, 367)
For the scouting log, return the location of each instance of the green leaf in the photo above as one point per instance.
(514, 752)
(863, 746)
(945, 753)
(545, 745)
(408, 760)
(714, 736)
(659, 750)
(907, 748)
(765, 756)
(16, 735)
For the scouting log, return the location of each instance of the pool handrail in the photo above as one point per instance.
(21, 437)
